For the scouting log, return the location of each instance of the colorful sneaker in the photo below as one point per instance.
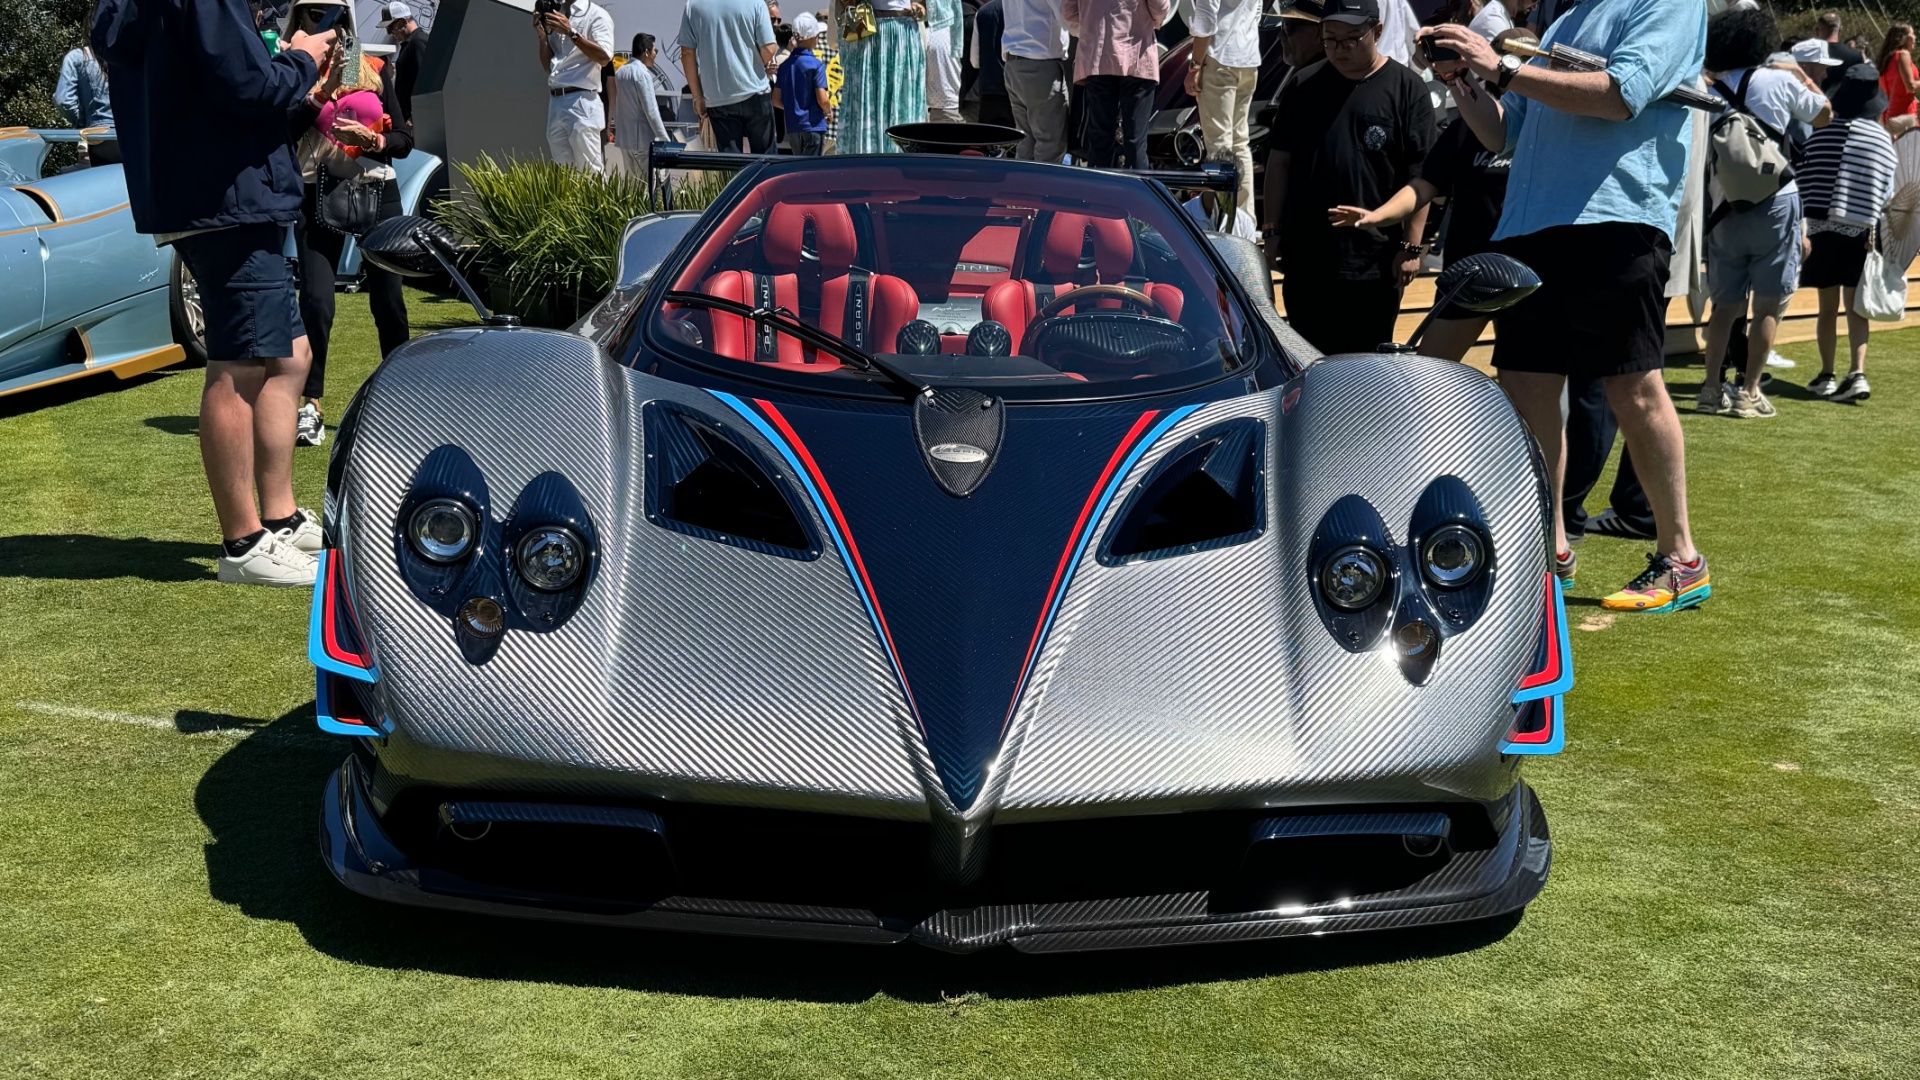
(312, 428)
(1853, 388)
(1713, 400)
(1667, 585)
(1752, 406)
(1822, 385)
(1565, 565)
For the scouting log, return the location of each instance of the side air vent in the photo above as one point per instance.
(703, 482)
(1208, 493)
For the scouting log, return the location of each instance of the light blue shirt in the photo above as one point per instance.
(81, 93)
(1578, 170)
(726, 36)
(1033, 29)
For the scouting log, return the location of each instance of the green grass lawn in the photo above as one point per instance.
(1734, 890)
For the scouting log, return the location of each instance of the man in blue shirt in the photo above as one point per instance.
(801, 89)
(726, 51)
(1599, 163)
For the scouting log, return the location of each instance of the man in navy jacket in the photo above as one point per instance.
(201, 106)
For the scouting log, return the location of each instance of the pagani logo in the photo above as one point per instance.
(957, 453)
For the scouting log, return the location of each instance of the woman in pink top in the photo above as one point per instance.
(1118, 70)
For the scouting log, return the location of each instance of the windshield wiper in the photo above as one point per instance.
(783, 319)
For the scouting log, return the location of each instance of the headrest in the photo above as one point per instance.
(833, 239)
(1067, 238)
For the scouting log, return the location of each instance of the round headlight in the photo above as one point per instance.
(1353, 578)
(551, 559)
(1453, 556)
(442, 530)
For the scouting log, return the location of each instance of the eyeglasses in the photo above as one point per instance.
(1331, 42)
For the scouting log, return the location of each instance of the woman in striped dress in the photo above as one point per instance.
(886, 77)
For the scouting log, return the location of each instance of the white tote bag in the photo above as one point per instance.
(1882, 293)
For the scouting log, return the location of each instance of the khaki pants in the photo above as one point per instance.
(1226, 101)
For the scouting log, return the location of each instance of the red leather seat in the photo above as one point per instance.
(1015, 303)
(817, 292)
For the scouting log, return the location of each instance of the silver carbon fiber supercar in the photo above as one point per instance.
(937, 548)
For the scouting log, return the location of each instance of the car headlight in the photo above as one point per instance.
(1453, 556)
(1353, 578)
(442, 530)
(551, 559)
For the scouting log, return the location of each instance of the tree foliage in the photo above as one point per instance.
(34, 35)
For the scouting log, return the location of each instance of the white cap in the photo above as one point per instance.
(806, 26)
(1813, 51)
(395, 13)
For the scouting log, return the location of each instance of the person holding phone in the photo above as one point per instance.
(573, 46)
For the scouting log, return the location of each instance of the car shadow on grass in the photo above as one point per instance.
(261, 803)
(82, 557)
(64, 393)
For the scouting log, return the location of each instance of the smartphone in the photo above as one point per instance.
(1435, 53)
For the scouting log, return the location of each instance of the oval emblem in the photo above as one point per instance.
(957, 452)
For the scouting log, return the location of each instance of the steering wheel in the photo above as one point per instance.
(1121, 293)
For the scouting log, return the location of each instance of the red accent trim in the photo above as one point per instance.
(337, 691)
(1550, 671)
(1551, 708)
(1073, 541)
(840, 522)
(329, 617)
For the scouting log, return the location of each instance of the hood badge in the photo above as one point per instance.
(959, 433)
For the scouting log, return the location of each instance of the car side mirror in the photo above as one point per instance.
(1483, 283)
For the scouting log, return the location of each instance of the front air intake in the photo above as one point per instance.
(1207, 493)
(704, 482)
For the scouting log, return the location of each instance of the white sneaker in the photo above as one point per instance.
(1775, 360)
(269, 562)
(312, 431)
(305, 536)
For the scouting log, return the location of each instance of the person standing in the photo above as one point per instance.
(1117, 66)
(82, 98)
(1304, 54)
(1753, 252)
(726, 51)
(1846, 181)
(1222, 70)
(1356, 131)
(399, 23)
(637, 123)
(1599, 167)
(801, 90)
(945, 29)
(573, 47)
(1033, 48)
(228, 209)
(886, 77)
(1827, 29)
(1899, 79)
(983, 52)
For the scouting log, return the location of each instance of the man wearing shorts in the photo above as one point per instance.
(227, 205)
(1599, 163)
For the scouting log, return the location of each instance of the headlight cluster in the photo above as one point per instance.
(1354, 577)
(1453, 556)
(550, 559)
(443, 530)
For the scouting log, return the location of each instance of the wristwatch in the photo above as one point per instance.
(1510, 66)
(1412, 249)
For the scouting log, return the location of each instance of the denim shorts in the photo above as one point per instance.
(1755, 252)
(248, 291)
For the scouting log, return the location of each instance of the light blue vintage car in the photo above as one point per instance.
(80, 291)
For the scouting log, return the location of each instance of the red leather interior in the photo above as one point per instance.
(1015, 303)
(892, 302)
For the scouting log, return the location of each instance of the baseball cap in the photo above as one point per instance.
(393, 13)
(1351, 12)
(806, 26)
(1301, 10)
(1813, 51)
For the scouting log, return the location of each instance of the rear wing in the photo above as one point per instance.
(23, 151)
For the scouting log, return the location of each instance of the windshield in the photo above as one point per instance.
(957, 272)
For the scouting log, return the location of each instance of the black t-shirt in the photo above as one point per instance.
(1847, 57)
(1350, 143)
(406, 70)
(1473, 180)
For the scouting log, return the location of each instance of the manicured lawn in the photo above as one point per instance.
(1734, 891)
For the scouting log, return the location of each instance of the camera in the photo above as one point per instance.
(551, 7)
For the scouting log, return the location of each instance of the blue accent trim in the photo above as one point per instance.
(316, 634)
(826, 518)
(1564, 683)
(323, 713)
(1553, 745)
(1086, 537)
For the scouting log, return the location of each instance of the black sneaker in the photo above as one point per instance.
(1822, 385)
(1608, 523)
(1852, 388)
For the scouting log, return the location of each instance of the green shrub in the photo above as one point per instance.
(550, 233)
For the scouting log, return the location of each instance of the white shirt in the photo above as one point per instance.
(570, 66)
(1033, 30)
(1234, 26)
(1398, 30)
(1777, 98)
(1492, 21)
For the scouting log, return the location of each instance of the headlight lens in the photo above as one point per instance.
(1353, 578)
(551, 559)
(442, 530)
(1453, 556)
